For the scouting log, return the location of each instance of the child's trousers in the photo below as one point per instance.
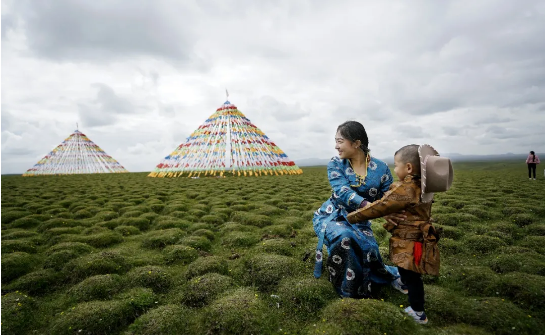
(414, 283)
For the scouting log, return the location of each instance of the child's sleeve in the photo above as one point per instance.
(393, 201)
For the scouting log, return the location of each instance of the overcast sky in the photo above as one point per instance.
(139, 76)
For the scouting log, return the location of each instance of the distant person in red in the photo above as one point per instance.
(532, 162)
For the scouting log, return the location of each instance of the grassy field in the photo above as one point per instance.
(127, 254)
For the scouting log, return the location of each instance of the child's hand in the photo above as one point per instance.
(395, 218)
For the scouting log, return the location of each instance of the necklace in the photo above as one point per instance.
(360, 178)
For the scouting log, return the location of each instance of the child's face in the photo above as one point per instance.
(402, 169)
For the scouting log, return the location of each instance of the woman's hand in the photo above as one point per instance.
(395, 218)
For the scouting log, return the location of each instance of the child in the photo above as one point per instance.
(413, 245)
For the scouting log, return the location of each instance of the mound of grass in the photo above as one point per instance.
(522, 219)
(139, 298)
(201, 290)
(237, 227)
(107, 215)
(127, 230)
(21, 245)
(140, 223)
(454, 219)
(240, 239)
(536, 243)
(531, 263)
(265, 271)
(18, 313)
(182, 254)
(153, 277)
(18, 234)
(258, 220)
(483, 244)
(77, 247)
(35, 283)
(100, 287)
(61, 231)
(277, 230)
(94, 317)
(162, 238)
(305, 296)
(163, 320)
(349, 316)
(275, 246)
(10, 215)
(104, 262)
(213, 219)
(205, 265)
(15, 265)
(205, 233)
(528, 291)
(25, 222)
(197, 242)
(241, 312)
(166, 222)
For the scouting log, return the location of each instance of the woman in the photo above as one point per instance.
(354, 261)
(532, 162)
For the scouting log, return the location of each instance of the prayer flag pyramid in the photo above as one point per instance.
(227, 142)
(75, 155)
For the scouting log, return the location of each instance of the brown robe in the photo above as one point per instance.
(417, 227)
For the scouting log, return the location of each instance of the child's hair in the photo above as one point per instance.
(409, 154)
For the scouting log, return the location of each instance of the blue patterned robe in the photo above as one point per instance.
(354, 260)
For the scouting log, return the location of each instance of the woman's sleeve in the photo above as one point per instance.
(385, 183)
(340, 184)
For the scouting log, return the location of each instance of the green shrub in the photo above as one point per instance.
(305, 296)
(25, 222)
(533, 264)
(205, 265)
(58, 259)
(269, 210)
(18, 313)
(240, 239)
(175, 208)
(58, 223)
(450, 232)
(483, 244)
(96, 264)
(237, 227)
(18, 234)
(22, 245)
(94, 317)
(201, 290)
(449, 247)
(102, 240)
(267, 270)
(454, 219)
(127, 230)
(162, 238)
(477, 280)
(535, 229)
(100, 287)
(61, 231)
(241, 312)
(36, 282)
(180, 254)
(157, 208)
(153, 277)
(349, 316)
(163, 320)
(295, 222)
(197, 242)
(140, 223)
(212, 219)
(132, 214)
(15, 265)
(83, 214)
(513, 210)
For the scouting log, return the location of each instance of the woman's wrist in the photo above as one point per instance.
(363, 203)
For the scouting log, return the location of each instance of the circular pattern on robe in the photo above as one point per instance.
(335, 196)
(336, 259)
(319, 256)
(345, 243)
(334, 174)
(350, 275)
(329, 209)
(332, 271)
(366, 232)
(372, 165)
(372, 256)
(373, 192)
(339, 223)
(345, 189)
(384, 178)
(349, 171)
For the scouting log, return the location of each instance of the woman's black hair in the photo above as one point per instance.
(353, 131)
(533, 154)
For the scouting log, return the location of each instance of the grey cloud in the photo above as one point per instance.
(452, 131)
(110, 102)
(279, 110)
(105, 108)
(9, 23)
(105, 30)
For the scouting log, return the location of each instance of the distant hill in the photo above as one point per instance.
(455, 157)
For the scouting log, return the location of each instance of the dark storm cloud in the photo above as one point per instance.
(106, 30)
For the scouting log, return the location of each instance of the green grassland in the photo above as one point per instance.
(127, 254)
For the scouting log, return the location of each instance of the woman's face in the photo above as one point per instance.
(345, 148)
